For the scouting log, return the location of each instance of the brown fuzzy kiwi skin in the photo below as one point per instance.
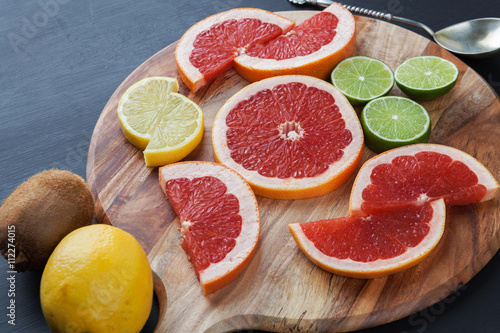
(43, 210)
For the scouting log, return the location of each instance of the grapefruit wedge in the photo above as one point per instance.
(209, 47)
(420, 173)
(397, 210)
(219, 219)
(290, 137)
(375, 245)
(261, 44)
(312, 48)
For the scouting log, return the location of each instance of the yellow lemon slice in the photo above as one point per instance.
(154, 117)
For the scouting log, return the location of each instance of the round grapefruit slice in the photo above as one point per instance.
(208, 48)
(312, 48)
(219, 219)
(420, 173)
(261, 44)
(397, 210)
(290, 137)
(376, 245)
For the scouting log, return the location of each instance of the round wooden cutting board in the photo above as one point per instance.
(282, 290)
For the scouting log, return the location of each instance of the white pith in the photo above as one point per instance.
(286, 133)
(348, 114)
(249, 211)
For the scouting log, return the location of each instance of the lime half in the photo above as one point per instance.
(426, 77)
(362, 79)
(394, 121)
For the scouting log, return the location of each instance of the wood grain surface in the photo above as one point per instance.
(281, 290)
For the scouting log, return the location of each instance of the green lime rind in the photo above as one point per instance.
(426, 77)
(394, 121)
(362, 79)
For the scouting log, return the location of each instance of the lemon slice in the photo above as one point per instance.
(178, 132)
(155, 118)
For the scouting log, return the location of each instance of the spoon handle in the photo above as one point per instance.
(388, 17)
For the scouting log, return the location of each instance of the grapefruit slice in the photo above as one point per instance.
(313, 48)
(373, 246)
(261, 44)
(397, 210)
(420, 173)
(208, 48)
(290, 137)
(219, 219)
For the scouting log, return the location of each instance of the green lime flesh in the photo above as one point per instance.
(362, 79)
(394, 121)
(426, 77)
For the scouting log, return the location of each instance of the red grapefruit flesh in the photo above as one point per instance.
(209, 47)
(219, 219)
(313, 48)
(290, 137)
(397, 209)
(375, 245)
(420, 173)
(260, 44)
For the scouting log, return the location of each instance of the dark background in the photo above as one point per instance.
(61, 60)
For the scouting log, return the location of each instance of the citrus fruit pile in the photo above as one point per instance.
(290, 137)
(393, 121)
(219, 219)
(98, 279)
(306, 123)
(397, 210)
(260, 44)
(154, 117)
(362, 79)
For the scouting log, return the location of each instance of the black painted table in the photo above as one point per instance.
(61, 60)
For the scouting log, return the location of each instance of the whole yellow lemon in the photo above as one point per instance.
(98, 279)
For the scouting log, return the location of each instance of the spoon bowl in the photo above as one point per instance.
(475, 38)
(478, 38)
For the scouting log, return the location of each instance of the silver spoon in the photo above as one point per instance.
(477, 38)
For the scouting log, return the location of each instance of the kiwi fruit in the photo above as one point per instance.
(37, 215)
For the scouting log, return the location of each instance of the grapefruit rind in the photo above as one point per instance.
(292, 188)
(378, 268)
(363, 178)
(225, 271)
(318, 64)
(191, 76)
